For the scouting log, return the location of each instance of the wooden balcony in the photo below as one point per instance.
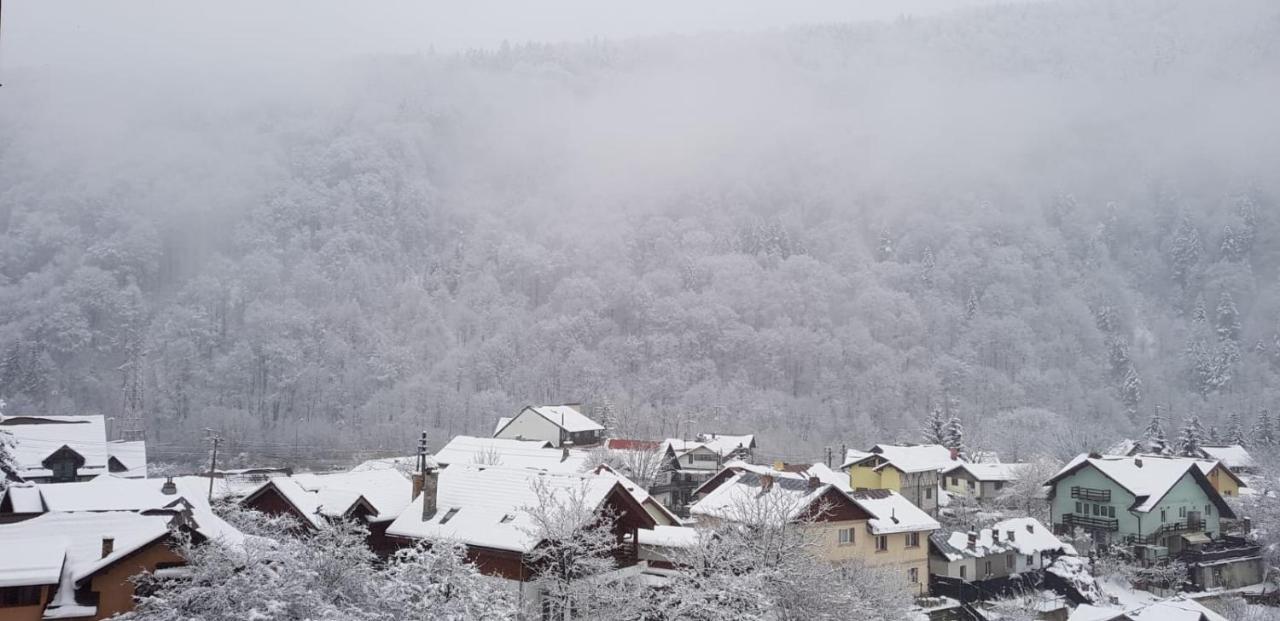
(1089, 493)
(1091, 522)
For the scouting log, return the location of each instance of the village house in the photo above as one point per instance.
(556, 424)
(485, 508)
(910, 470)
(1233, 456)
(877, 527)
(687, 464)
(1155, 503)
(78, 565)
(1222, 478)
(374, 497)
(1010, 547)
(981, 482)
(56, 449)
(186, 495)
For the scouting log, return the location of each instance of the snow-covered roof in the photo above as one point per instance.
(726, 444)
(132, 455)
(33, 561)
(1233, 456)
(112, 493)
(1147, 477)
(405, 463)
(1025, 536)
(388, 491)
(852, 456)
(748, 497)
(485, 505)
(1173, 609)
(502, 422)
(892, 513)
(912, 458)
(38, 437)
(988, 472)
(83, 533)
(535, 454)
(563, 416)
(641, 494)
(668, 536)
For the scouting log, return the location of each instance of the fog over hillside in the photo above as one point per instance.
(1047, 219)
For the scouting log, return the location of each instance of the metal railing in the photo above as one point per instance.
(1089, 493)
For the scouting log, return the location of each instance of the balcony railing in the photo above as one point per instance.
(1089, 493)
(1154, 537)
(1087, 521)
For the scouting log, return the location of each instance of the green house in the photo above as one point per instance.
(1156, 502)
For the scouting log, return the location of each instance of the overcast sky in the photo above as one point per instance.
(42, 33)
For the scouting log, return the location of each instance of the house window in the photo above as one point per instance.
(1097, 510)
(962, 572)
(19, 596)
(1164, 516)
(64, 470)
(1182, 512)
(1208, 509)
(988, 567)
(1031, 560)
(928, 492)
(972, 486)
(999, 485)
(847, 536)
(1078, 507)
(704, 457)
(913, 540)
(913, 575)
(882, 543)
(1008, 562)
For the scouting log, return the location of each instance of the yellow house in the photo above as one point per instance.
(878, 527)
(1221, 478)
(909, 470)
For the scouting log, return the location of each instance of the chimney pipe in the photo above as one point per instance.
(1137, 461)
(430, 487)
(169, 488)
(766, 482)
(973, 540)
(814, 483)
(108, 546)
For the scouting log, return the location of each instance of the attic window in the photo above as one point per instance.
(506, 518)
(449, 515)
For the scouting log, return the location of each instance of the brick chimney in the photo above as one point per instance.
(995, 536)
(430, 488)
(766, 482)
(973, 540)
(1137, 462)
(108, 546)
(814, 483)
(955, 454)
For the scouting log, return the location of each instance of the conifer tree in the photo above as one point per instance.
(1232, 248)
(1235, 430)
(8, 458)
(955, 435)
(1191, 437)
(1154, 436)
(1131, 390)
(1228, 319)
(935, 428)
(1264, 433)
(1184, 251)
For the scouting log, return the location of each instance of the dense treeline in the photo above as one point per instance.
(1046, 220)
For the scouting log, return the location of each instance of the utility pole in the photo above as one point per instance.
(213, 461)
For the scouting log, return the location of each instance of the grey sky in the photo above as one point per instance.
(43, 33)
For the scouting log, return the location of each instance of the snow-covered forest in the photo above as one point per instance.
(1044, 219)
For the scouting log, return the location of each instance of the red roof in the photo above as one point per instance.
(623, 444)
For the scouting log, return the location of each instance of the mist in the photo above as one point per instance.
(815, 222)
